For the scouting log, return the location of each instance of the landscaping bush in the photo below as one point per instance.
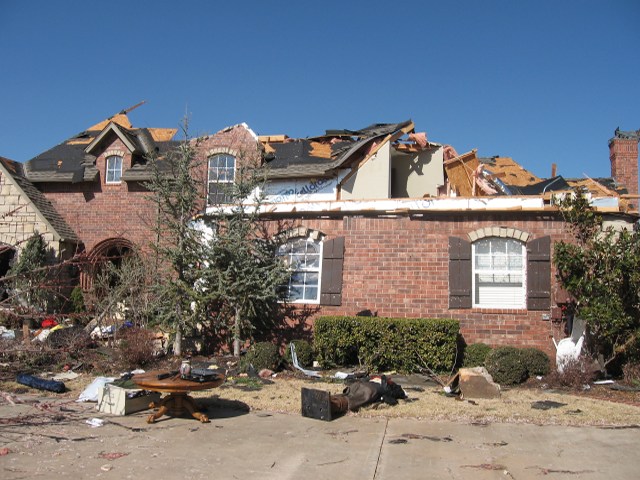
(476, 354)
(304, 352)
(536, 361)
(402, 344)
(135, 348)
(262, 355)
(71, 339)
(77, 300)
(576, 374)
(631, 372)
(506, 365)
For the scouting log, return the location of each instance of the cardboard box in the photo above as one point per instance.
(121, 401)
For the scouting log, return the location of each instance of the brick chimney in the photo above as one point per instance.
(623, 153)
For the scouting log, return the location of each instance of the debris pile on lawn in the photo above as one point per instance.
(357, 394)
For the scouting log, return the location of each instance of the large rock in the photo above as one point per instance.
(477, 383)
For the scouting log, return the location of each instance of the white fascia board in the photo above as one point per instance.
(409, 205)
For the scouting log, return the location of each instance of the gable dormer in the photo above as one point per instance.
(113, 149)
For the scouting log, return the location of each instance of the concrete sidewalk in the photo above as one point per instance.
(260, 445)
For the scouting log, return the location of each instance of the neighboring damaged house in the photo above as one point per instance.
(389, 223)
(26, 211)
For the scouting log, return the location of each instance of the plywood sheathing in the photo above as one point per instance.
(162, 134)
(272, 138)
(322, 150)
(514, 174)
(267, 140)
(460, 173)
(121, 119)
(80, 141)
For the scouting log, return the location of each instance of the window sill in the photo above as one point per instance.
(498, 310)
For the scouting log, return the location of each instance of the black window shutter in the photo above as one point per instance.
(459, 273)
(539, 274)
(331, 279)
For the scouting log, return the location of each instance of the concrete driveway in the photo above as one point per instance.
(58, 443)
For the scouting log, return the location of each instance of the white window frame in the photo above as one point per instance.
(113, 173)
(289, 258)
(497, 265)
(220, 175)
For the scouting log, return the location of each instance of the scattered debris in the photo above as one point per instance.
(90, 394)
(415, 436)
(4, 451)
(486, 466)
(473, 383)
(624, 388)
(294, 360)
(40, 383)
(66, 375)
(497, 444)
(324, 406)
(95, 422)
(568, 349)
(112, 456)
(6, 334)
(546, 404)
(547, 471)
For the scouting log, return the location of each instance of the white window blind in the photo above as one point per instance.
(499, 276)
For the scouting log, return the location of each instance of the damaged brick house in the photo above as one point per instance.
(95, 182)
(391, 224)
(386, 221)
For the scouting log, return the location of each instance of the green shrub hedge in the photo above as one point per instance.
(402, 344)
(261, 355)
(506, 365)
(476, 354)
(536, 361)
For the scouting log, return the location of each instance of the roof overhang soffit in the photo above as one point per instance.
(391, 137)
(111, 127)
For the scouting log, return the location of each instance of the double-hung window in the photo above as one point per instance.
(303, 257)
(222, 174)
(114, 169)
(499, 273)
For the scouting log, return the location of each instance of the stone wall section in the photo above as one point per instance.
(19, 219)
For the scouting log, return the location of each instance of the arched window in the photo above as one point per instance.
(114, 169)
(222, 174)
(303, 257)
(499, 273)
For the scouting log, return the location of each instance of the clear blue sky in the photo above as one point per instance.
(541, 81)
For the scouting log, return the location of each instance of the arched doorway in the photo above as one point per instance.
(112, 250)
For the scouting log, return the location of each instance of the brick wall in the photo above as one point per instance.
(398, 267)
(97, 211)
(623, 154)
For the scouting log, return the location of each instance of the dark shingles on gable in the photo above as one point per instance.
(39, 201)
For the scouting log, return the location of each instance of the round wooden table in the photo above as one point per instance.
(177, 402)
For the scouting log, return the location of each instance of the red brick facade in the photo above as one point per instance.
(399, 267)
(623, 153)
(98, 210)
